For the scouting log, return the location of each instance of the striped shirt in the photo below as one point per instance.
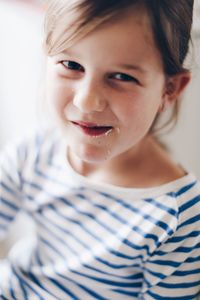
(95, 240)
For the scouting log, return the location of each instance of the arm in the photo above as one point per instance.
(12, 160)
(173, 271)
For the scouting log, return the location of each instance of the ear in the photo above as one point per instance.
(174, 87)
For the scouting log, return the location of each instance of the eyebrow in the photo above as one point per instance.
(67, 52)
(133, 67)
(124, 66)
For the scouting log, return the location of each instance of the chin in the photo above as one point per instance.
(90, 153)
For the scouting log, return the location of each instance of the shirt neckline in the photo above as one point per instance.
(85, 182)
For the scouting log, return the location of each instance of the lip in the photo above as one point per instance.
(92, 129)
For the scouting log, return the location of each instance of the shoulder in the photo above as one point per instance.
(184, 193)
(176, 260)
(188, 201)
(184, 197)
(175, 207)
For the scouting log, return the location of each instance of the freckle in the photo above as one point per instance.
(107, 154)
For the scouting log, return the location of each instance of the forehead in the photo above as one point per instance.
(65, 26)
(131, 24)
(126, 37)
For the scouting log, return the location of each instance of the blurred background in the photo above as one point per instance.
(21, 73)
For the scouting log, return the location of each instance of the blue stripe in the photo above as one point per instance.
(52, 280)
(158, 297)
(180, 249)
(145, 235)
(53, 234)
(189, 204)
(55, 250)
(127, 293)
(184, 189)
(97, 258)
(188, 249)
(178, 239)
(187, 272)
(131, 277)
(9, 204)
(3, 298)
(184, 285)
(92, 234)
(12, 293)
(173, 263)
(24, 292)
(165, 262)
(110, 282)
(68, 292)
(7, 176)
(193, 259)
(38, 145)
(27, 284)
(97, 296)
(14, 167)
(86, 289)
(50, 178)
(37, 282)
(155, 274)
(91, 216)
(165, 208)
(8, 189)
(6, 217)
(189, 221)
(156, 222)
(55, 282)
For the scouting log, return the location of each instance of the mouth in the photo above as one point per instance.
(93, 129)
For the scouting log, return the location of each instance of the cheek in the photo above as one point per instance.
(59, 93)
(137, 114)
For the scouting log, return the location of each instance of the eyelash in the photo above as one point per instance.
(77, 67)
(74, 63)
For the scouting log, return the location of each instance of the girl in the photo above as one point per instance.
(116, 217)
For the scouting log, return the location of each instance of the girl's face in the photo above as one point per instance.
(106, 89)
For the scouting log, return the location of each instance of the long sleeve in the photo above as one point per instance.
(172, 272)
(12, 160)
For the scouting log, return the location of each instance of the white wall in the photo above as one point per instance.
(21, 67)
(21, 62)
(184, 140)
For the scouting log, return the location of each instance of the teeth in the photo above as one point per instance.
(94, 127)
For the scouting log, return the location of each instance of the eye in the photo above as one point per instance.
(124, 77)
(72, 65)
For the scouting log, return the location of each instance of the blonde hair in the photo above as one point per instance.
(67, 21)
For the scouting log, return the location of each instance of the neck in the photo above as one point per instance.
(133, 157)
(145, 165)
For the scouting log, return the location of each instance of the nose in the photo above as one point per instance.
(88, 97)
